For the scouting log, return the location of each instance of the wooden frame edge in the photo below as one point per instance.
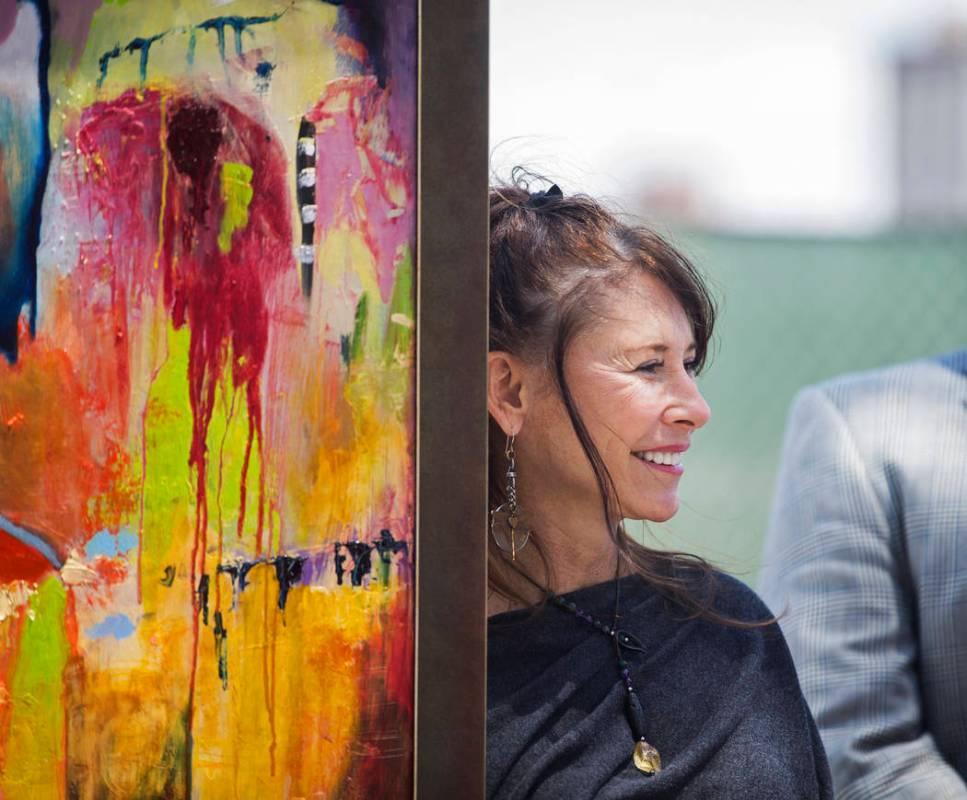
(452, 294)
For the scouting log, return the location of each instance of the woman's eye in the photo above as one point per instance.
(691, 367)
(650, 368)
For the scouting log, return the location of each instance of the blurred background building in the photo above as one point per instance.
(932, 130)
(811, 158)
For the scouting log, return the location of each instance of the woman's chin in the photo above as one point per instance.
(654, 511)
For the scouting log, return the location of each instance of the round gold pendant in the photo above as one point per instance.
(646, 758)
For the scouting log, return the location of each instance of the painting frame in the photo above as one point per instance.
(446, 750)
(452, 281)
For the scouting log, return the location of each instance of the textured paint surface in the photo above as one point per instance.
(206, 422)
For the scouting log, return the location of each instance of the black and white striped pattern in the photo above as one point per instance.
(305, 164)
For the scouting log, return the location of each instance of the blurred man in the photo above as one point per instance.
(867, 556)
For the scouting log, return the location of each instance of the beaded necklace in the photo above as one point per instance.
(645, 756)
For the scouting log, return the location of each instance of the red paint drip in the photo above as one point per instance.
(70, 622)
(219, 296)
(9, 653)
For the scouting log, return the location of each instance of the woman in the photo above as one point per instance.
(614, 671)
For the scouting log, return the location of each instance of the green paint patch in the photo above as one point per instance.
(359, 328)
(168, 493)
(227, 440)
(35, 740)
(237, 194)
(398, 344)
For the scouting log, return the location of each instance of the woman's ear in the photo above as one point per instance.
(506, 395)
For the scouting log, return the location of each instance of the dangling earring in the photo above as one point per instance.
(507, 515)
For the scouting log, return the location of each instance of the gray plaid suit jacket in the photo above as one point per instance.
(867, 556)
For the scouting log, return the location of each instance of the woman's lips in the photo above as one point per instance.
(671, 469)
(664, 459)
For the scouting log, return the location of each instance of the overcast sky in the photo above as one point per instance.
(778, 113)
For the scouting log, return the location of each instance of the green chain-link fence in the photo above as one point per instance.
(794, 312)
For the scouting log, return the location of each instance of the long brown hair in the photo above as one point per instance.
(551, 258)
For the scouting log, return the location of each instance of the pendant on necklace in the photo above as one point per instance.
(646, 758)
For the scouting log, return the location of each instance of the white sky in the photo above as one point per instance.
(779, 113)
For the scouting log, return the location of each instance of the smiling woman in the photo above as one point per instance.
(614, 670)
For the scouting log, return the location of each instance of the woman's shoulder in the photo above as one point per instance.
(718, 593)
(734, 598)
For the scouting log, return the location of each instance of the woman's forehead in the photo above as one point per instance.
(640, 307)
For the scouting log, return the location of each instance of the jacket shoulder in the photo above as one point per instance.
(897, 389)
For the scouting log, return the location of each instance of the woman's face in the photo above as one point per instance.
(630, 375)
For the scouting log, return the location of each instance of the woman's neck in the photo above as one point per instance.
(567, 560)
(575, 539)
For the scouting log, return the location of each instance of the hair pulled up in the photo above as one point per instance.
(553, 259)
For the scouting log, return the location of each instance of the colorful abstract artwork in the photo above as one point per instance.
(207, 232)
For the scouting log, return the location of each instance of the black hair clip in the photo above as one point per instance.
(541, 198)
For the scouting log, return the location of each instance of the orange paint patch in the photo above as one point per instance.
(111, 570)
(57, 458)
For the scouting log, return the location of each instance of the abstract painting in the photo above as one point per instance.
(207, 413)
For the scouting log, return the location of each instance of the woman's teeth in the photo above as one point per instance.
(661, 457)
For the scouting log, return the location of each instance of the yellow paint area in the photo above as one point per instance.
(236, 187)
(34, 752)
(297, 681)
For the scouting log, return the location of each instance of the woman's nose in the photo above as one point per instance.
(688, 407)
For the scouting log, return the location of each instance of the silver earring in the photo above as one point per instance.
(506, 528)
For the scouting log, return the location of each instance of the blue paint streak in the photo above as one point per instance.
(126, 541)
(18, 267)
(31, 540)
(104, 61)
(144, 45)
(102, 543)
(117, 625)
(217, 24)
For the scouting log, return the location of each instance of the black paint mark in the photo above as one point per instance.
(194, 136)
(221, 649)
(288, 570)
(305, 189)
(340, 561)
(362, 561)
(169, 577)
(263, 76)
(362, 555)
(387, 547)
(238, 574)
(203, 586)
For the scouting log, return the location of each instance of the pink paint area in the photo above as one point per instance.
(363, 179)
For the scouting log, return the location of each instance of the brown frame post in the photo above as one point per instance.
(451, 400)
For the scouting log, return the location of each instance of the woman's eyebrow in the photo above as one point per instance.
(658, 347)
